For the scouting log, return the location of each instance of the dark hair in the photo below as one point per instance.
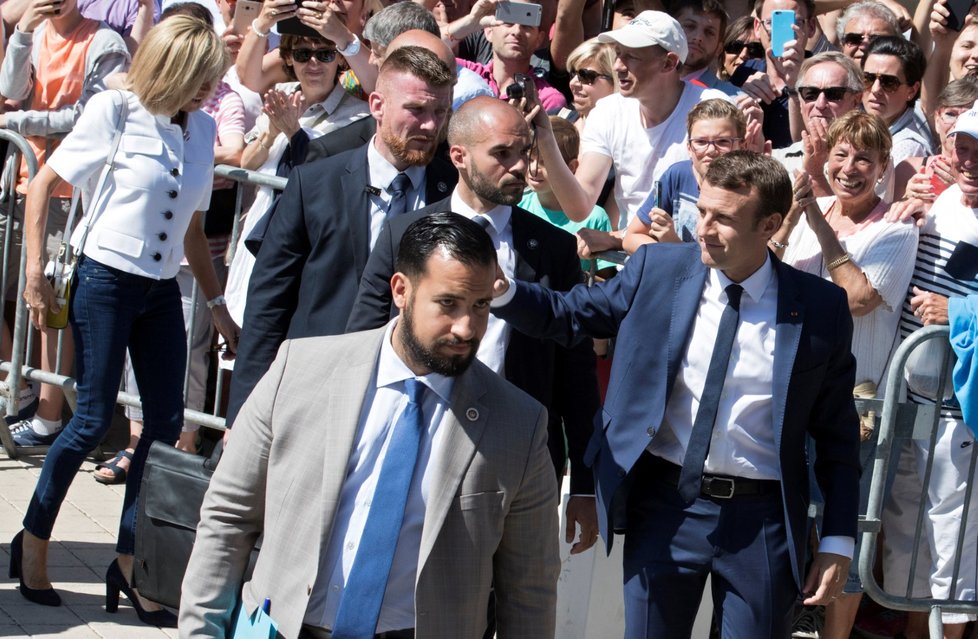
(762, 173)
(192, 9)
(290, 42)
(741, 27)
(911, 58)
(457, 235)
(714, 8)
(421, 63)
(808, 4)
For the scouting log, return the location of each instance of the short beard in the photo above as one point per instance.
(450, 366)
(410, 157)
(490, 192)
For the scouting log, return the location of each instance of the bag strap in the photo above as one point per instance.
(106, 169)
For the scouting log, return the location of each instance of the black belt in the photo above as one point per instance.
(315, 632)
(716, 486)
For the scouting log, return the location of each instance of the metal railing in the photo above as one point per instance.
(900, 422)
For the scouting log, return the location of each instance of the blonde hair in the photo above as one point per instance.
(600, 54)
(717, 109)
(862, 130)
(176, 58)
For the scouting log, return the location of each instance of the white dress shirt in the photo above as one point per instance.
(162, 174)
(382, 174)
(383, 404)
(743, 435)
(492, 348)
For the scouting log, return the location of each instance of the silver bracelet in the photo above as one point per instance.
(217, 301)
(778, 245)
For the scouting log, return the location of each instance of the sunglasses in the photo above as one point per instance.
(722, 145)
(755, 50)
(589, 76)
(304, 55)
(890, 83)
(832, 94)
(857, 39)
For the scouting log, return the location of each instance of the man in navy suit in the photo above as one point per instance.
(726, 361)
(308, 269)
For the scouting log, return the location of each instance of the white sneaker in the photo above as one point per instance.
(808, 624)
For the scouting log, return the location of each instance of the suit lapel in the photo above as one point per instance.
(464, 423)
(436, 187)
(356, 202)
(346, 391)
(526, 247)
(791, 318)
(685, 303)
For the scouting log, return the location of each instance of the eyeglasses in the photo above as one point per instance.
(950, 116)
(890, 83)
(832, 94)
(755, 50)
(799, 22)
(304, 55)
(589, 76)
(858, 39)
(721, 144)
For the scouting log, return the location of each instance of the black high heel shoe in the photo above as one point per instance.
(42, 596)
(115, 582)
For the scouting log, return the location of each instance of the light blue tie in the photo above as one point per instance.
(359, 607)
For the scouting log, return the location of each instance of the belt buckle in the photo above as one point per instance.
(710, 484)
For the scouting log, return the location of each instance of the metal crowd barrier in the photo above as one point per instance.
(20, 366)
(901, 422)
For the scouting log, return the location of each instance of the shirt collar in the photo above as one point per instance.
(498, 216)
(382, 172)
(392, 370)
(754, 286)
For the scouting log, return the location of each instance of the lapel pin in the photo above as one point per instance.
(442, 187)
(793, 313)
(472, 414)
(532, 244)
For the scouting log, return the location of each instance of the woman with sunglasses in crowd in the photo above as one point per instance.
(739, 45)
(590, 67)
(713, 127)
(892, 71)
(313, 105)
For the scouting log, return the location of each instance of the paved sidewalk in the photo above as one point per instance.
(81, 549)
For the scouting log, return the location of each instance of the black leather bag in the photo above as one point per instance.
(170, 496)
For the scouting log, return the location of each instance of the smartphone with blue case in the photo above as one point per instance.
(781, 31)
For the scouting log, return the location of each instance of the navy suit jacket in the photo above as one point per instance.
(562, 379)
(308, 269)
(651, 307)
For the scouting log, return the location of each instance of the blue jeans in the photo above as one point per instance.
(110, 311)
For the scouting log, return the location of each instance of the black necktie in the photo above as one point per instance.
(398, 189)
(691, 476)
(483, 221)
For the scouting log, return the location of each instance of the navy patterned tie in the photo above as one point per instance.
(691, 476)
(398, 188)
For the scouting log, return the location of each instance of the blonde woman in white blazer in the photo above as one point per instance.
(141, 222)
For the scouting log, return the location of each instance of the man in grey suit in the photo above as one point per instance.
(327, 425)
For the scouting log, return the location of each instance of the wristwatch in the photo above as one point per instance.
(351, 49)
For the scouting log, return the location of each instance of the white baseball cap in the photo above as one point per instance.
(651, 28)
(967, 122)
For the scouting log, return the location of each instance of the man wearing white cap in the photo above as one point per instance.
(641, 130)
(944, 273)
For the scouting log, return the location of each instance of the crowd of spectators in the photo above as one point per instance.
(872, 109)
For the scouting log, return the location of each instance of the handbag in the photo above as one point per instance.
(61, 270)
(170, 497)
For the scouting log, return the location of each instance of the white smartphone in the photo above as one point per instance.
(519, 13)
(245, 11)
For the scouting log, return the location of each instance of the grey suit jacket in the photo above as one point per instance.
(490, 519)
